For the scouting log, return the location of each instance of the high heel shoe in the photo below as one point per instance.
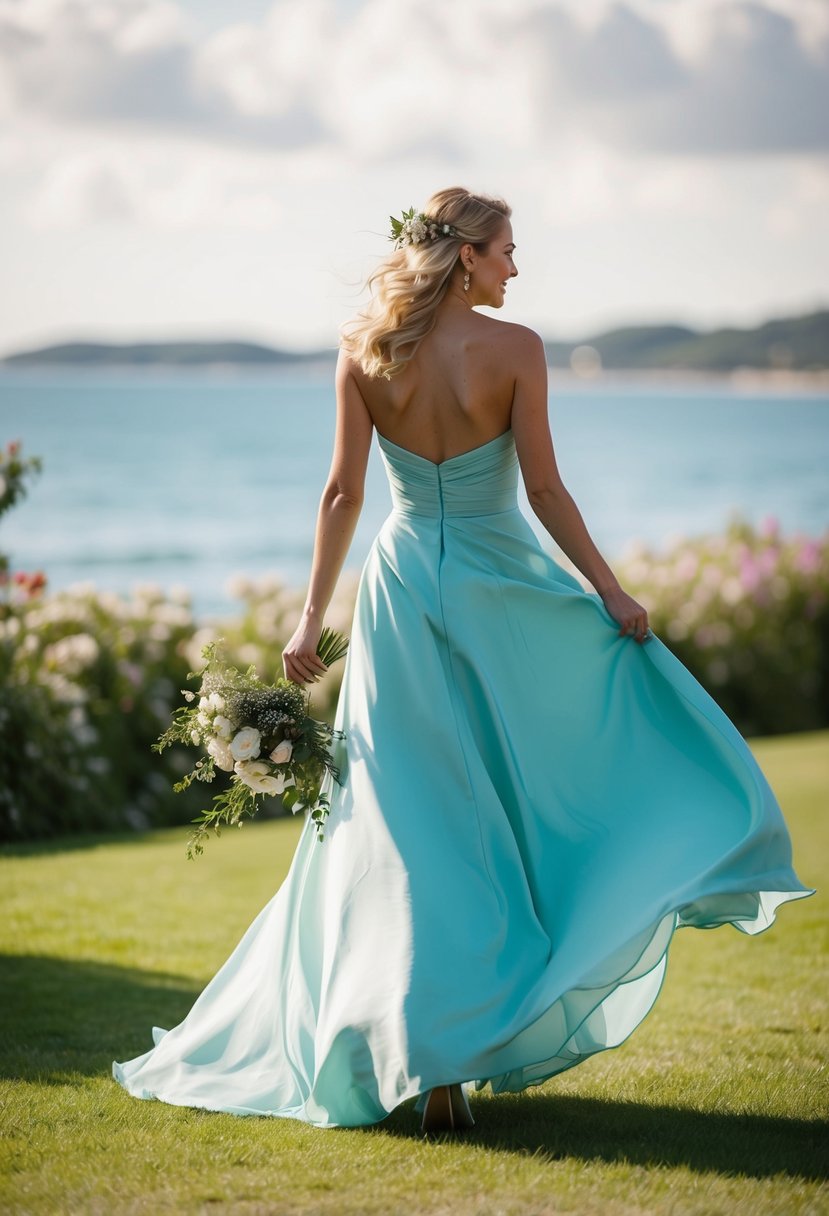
(446, 1110)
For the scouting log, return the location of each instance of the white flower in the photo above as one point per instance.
(188, 695)
(246, 743)
(71, 654)
(195, 736)
(256, 776)
(216, 700)
(203, 702)
(222, 726)
(219, 749)
(281, 754)
(203, 718)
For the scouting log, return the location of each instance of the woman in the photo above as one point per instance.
(529, 805)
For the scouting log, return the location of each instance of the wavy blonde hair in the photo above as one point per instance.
(408, 285)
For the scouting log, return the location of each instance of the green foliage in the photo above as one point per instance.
(14, 470)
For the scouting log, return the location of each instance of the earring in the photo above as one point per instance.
(466, 281)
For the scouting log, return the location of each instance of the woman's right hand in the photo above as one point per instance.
(627, 612)
(299, 658)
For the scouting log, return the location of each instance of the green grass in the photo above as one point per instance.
(717, 1103)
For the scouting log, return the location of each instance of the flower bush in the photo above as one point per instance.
(87, 678)
(747, 612)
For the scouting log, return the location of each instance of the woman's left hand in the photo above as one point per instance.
(627, 612)
(299, 658)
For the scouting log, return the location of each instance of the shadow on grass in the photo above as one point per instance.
(160, 834)
(557, 1127)
(60, 1018)
(64, 1020)
(86, 840)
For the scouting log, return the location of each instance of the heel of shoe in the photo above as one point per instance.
(438, 1113)
(462, 1115)
(446, 1110)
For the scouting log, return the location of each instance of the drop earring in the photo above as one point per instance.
(466, 281)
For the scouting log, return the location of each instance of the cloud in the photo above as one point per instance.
(165, 188)
(137, 64)
(694, 77)
(756, 85)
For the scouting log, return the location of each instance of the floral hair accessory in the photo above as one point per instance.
(415, 227)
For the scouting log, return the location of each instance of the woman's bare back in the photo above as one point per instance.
(455, 394)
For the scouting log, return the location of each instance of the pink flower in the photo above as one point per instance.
(807, 558)
(768, 560)
(749, 574)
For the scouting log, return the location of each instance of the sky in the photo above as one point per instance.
(203, 169)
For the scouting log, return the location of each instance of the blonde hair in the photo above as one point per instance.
(409, 284)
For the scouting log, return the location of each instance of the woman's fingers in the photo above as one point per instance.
(638, 626)
(302, 668)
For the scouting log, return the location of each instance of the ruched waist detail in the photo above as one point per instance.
(482, 481)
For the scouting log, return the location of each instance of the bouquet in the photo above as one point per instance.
(261, 733)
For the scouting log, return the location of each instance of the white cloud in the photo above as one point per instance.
(687, 78)
(167, 187)
(615, 127)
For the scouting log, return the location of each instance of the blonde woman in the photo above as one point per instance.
(535, 793)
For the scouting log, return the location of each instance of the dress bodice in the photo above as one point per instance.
(481, 481)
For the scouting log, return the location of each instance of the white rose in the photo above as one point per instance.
(246, 743)
(216, 700)
(203, 702)
(222, 726)
(256, 776)
(203, 718)
(221, 753)
(281, 754)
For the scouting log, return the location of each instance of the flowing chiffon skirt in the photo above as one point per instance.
(530, 806)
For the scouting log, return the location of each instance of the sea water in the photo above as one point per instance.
(186, 478)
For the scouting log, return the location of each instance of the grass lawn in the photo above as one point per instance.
(716, 1104)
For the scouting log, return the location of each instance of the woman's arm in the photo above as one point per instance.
(339, 510)
(547, 494)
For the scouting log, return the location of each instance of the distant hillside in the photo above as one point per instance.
(171, 354)
(795, 343)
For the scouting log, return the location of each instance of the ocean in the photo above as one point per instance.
(189, 478)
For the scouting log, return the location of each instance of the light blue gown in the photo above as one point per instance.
(531, 805)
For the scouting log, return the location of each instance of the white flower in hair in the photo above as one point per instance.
(416, 227)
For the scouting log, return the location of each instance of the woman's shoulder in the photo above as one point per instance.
(348, 366)
(512, 337)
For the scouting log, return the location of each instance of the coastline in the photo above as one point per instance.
(739, 379)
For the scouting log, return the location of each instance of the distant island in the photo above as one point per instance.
(794, 344)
